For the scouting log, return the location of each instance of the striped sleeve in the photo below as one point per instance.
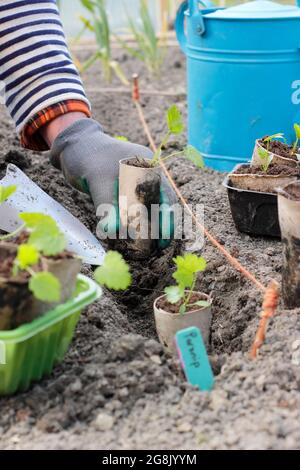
(36, 69)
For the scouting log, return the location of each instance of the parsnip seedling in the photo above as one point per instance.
(44, 238)
(270, 138)
(188, 268)
(295, 146)
(176, 127)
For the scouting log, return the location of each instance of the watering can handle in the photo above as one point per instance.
(190, 8)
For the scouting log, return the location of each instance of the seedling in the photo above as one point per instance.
(114, 273)
(150, 49)
(186, 275)
(99, 25)
(270, 138)
(295, 146)
(44, 239)
(176, 127)
(265, 157)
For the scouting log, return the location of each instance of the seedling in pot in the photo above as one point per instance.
(181, 306)
(188, 268)
(265, 157)
(44, 239)
(266, 140)
(295, 146)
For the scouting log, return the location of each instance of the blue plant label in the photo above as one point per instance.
(194, 358)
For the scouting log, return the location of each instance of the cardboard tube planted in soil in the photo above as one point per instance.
(289, 219)
(139, 192)
(276, 159)
(17, 304)
(167, 324)
(262, 183)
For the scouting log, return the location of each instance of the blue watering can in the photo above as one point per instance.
(243, 75)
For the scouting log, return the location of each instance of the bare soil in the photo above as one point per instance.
(116, 389)
(280, 148)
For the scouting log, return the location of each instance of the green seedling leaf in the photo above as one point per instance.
(192, 154)
(269, 138)
(45, 287)
(34, 219)
(265, 157)
(187, 266)
(114, 273)
(191, 263)
(45, 234)
(48, 240)
(298, 157)
(27, 256)
(175, 121)
(297, 131)
(6, 192)
(174, 294)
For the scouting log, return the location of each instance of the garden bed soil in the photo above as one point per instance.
(279, 148)
(116, 389)
(163, 304)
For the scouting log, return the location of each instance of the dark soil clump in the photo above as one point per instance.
(138, 163)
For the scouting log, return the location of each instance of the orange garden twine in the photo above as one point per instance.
(271, 293)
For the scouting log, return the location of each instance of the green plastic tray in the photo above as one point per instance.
(31, 351)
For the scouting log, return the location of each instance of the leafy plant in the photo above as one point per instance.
(44, 239)
(149, 49)
(265, 157)
(114, 273)
(266, 140)
(295, 146)
(99, 25)
(188, 268)
(176, 127)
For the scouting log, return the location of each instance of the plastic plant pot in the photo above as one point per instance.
(253, 212)
(30, 352)
(289, 217)
(168, 324)
(17, 304)
(139, 192)
(276, 159)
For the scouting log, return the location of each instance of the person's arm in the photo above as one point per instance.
(39, 78)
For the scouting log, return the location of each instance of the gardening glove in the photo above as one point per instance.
(89, 160)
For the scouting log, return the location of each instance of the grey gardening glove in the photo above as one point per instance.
(89, 159)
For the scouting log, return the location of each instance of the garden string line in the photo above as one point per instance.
(271, 293)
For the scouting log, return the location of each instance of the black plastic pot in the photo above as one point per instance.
(253, 212)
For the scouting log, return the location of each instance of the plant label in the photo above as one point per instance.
(194, 358)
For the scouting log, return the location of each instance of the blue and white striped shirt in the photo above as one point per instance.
(36, 68)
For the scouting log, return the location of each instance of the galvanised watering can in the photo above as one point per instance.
(243, 75)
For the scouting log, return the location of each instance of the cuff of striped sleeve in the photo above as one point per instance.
(32, 139)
